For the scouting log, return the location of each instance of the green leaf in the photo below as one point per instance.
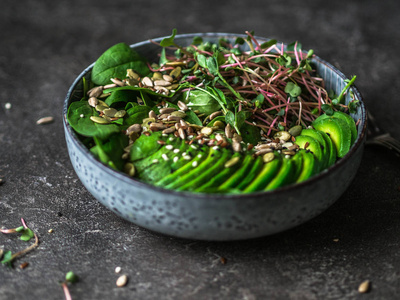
(136, 115)
(230, 118)
(250, 133)
(327, 109)
(212, 65)
(197, 40)
(284, 60)
(110, 152)
(169, 41)
(145, 146)
(202, 60)
(86, 127)
(239, 41)
(353, 105)
(7, 258)
(114, 62)
(292, 89)
(71, 277)
(119, 96)
(20, 229)
(163, 58)
(281, 112)
(268, 44)
(201, 100)
(290, 47)
(27, 234)
(240, 117)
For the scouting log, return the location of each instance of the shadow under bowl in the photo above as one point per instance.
(216, 217)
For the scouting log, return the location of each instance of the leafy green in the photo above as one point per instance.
(169, 41)
(268, 44)
(120, 96)
(7, 258)
(145, 146)
(292, 89)
(201, 100)
(86, 127)
(136, 114)
(250, 134)
(114, 62)
(27, 235)
(110, 152)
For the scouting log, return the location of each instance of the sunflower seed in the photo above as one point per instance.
(134, 128)
(263, 151)
(182, 106)
(215, 114)
(233, 161)
(287, 145)
(147, 81)
(364, 286)
(182, 133)
(173, 119)
(162, 83)
(169, 130)
(122, 281)
(93, 101)
(167, 110)
(167, 78)
(157, 126)
(152, 114)
(129, 169)
(45, 120)
(288, 152)
(109, 86)
(99, 120)
(236, 146)
(95, 92)
(268, 157)
(228, 131)
(237, 137)
(206, 131)
(184, 125)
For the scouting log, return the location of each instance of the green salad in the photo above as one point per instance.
(212, 117)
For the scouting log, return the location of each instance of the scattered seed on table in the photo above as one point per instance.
(23, 265)
(223, 260)
(364, 286)
(122, 281)
(7, 105)
(118, 270)
(50, 230)
(45, 120)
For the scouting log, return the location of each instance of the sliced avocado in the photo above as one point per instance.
(316, 134)
(212, 158)
(255, 169)
(309, 165)
(284, 175)
(313, 146)
(338, 131)
(263, 178)
(214, 182)
(184, 169)
(198, 177)
(332, 149)
(349, 120)
(298, 162)
(235, 178)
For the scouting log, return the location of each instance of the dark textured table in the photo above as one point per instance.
(46, 44)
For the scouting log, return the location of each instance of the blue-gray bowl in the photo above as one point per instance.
(218, 217)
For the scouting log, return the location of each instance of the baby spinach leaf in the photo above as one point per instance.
(230, 118)
(120, 96)
(86, 127)
(268, 44)
(115, 61)
(136, 114)
(202, 60)
(250, 134)
(201, 101)
(163, 58)
(110, 152)
(145, 146)
(169, 41)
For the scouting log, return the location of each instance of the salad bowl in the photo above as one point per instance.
(216, 217)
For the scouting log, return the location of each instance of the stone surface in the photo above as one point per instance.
(46, 44)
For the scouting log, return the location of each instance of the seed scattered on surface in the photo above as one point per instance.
(152, 114)
(99, 120)
(168, 78)
(219, 125)
(161, 142)
(7, 105)
(157, 126)
(233, 161)
(268, 157)
(215, 114)
(134, 128)
(175, 159)
(45, 120)
(122, 281)
(110, 112)
(117, 81)
(155, 161)
(162, 83)
(182, 133)
(109, 86)
(336, 240)
(236, 146)
(118, 270)
(93, 101)
(50, 230)
(176, 150)
(120, 114)
(95, 92)
(364, 287)
(82, 115)
(169, 130)
(24, 265)
(178, 114)
(228, 131)
(175, 72)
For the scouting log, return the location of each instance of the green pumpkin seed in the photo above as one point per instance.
(110, 112)
(270, 156)
(132, 75)
(157, 75)
(296, 130)
(129, 169)
(120, 114)
(100, 107)
(99, 120)
(178, 114)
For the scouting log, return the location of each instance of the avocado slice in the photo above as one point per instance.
(267, 173)
(298, 162)
(332, 149)
(338, 131)
(193, 172)
(314, 146)
(316, 134)
(349, 120)
(284, 175)
(185, 167)
(255, 169)
(214, 182)
(206, 171)
(309, 165)
(233, 181)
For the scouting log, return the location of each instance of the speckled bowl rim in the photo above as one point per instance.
(139, 184)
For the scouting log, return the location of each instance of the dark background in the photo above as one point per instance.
(44, 45)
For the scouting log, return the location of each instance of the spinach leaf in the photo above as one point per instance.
(201, 101)
(110, 153)
(145, 146)
(115, 61)
(86, 127)
(136, 114)
(120, 96)
(250, 134)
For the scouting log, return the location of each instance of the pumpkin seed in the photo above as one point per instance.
(268, 157)
(206, 131)
(110, 112)
(173, 86)
(175, 73)
(132, 82)
(282, 135)
(296, 130)
(131, 74)
(93, 101)
(233, 161)
(129, 169)
(219, 124)
(99, 120)
(157, 75)
(161, 83)
(175, 63)
(178, 114)
(182, 106)
(106, 118)
(167, 78)
(120, 114)
(100, 107)
(147, 81)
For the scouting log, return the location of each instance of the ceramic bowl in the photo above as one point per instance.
(214, 216)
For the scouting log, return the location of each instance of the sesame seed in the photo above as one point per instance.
(263, 138)
(187, 157)
(176, 159)
(199, 156)
(165, 157)
(169, 147)
(194, 147)
(82, 115)
(164, 134)
(190, 137)
(171, 139)
(176, 150)
(215, 147)
(155, 161)
(287, 156)
(184, 154)
(194, 164)
(7, 105)
(118, 269)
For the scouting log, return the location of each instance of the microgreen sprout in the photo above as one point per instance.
(70, 277)
(26, 235)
